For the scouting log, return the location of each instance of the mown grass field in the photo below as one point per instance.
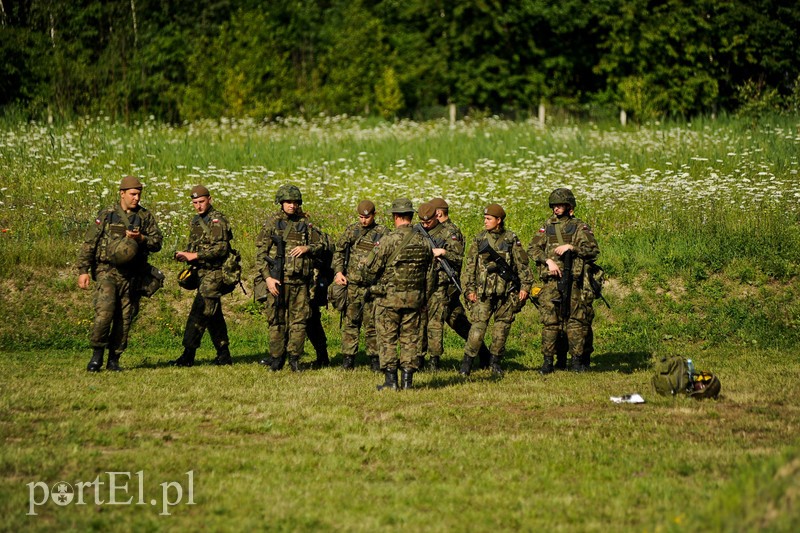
(698, 225)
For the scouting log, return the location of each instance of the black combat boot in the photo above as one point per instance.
(420, 362)
(223, 357)
(266, 360)
(434, 364)
(494, 364)
(576, 365)
(113, 362)
(294, 363)
(349, 362)
(186, 359)
(375, 363)
(408, 378)
(547, 366)
(466, 366)
(391, 380)
(322, 359)
(276, 363)
(96, 362)
(484, 357)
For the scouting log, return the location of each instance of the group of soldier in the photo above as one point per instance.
(397, 285)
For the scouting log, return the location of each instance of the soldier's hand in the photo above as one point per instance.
(553, 269)
(83, 281)
(135, 235)
(438, 252)
(340, 279)
(563, 248)
(273, 286)
(297, 251)
(186, 256)
(472, 297)
(523, 295)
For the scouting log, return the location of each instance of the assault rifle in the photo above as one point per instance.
(501, 266)
(276, 269)
(565, 285)
(444, 264)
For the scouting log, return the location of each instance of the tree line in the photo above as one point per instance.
(181, 60)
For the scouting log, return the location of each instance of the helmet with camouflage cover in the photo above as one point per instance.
(705, 385)
(288, 193)
(122, 251)
(562, 196)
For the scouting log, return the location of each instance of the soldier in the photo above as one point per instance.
(400, 268)
(210, 238)
(285, 249)
(115, 251)
(496, 281)
(352, 248)
(455, 315)
(564, 238)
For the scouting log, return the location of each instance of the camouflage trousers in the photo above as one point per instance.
(287, 322)
(206, 313)
(577, 328)
(397, 328)
(503, 308)
(355, 318)
(116, 305)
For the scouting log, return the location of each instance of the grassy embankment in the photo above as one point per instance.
(698, 227)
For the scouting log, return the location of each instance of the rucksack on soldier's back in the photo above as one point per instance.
(672, 377)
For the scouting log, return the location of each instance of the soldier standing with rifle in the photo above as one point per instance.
(357, 308)
(284, 260)
(114, 254)
(400, 268)
(563, 249)
(496, 281)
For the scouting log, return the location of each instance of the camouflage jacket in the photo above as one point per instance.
(209, 236)
(400, 269)
(480, 274)
(292, 231)
(360, 242)
(566, 230)
(109, 225)
(449, 237)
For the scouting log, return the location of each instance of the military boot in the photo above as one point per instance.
(494, 364)
(434, 364)
(96, 362)
(349, 362)
(466, 366)
(484, 357)
(294, 363)
(407, 378)
(113, 362)
(223, 356)
(547, 366)
(420, 362)
(266, 360)
(391, 380)
(375, 363)
(576, 365)
(322, 359)
(186, 358)
(276, 363)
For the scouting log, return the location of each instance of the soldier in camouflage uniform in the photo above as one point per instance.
(560, 234)
(488, 292)
(358, 240)
(209, 245)
(400, 267)
(115, 252)
(287, 300)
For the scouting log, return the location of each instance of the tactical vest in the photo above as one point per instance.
(440, 235)
(407, 271)
(359, 251)
(202, 233)
(114, 229)
(558, 234)
(489, 282)
(295, 233)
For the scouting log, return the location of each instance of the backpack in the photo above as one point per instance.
(672, 376)
(231, 271)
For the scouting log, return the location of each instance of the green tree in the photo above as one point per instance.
(388, 96)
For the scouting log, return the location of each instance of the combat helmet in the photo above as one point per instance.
(562, 196)
(122, 251)
(288, 193)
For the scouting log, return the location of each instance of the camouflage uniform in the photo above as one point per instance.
(116, 296)
(401, 267)
(209, 236)
(556, 231)
(287, 318)
(494, 298)
(360, 241)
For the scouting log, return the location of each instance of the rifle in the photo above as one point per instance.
(444, 264)
(277, 266)
(501, 268)
(345, 263)
(565, 285)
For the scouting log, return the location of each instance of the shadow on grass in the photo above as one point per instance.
(625, 362)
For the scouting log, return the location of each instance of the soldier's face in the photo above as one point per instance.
(366, 220)
(290, 207)
(441, 215)
(490, 222)
(129, 198)
(561, 209)
(430, 223)
(201, 204)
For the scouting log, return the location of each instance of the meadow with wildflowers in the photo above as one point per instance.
(698, 227)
